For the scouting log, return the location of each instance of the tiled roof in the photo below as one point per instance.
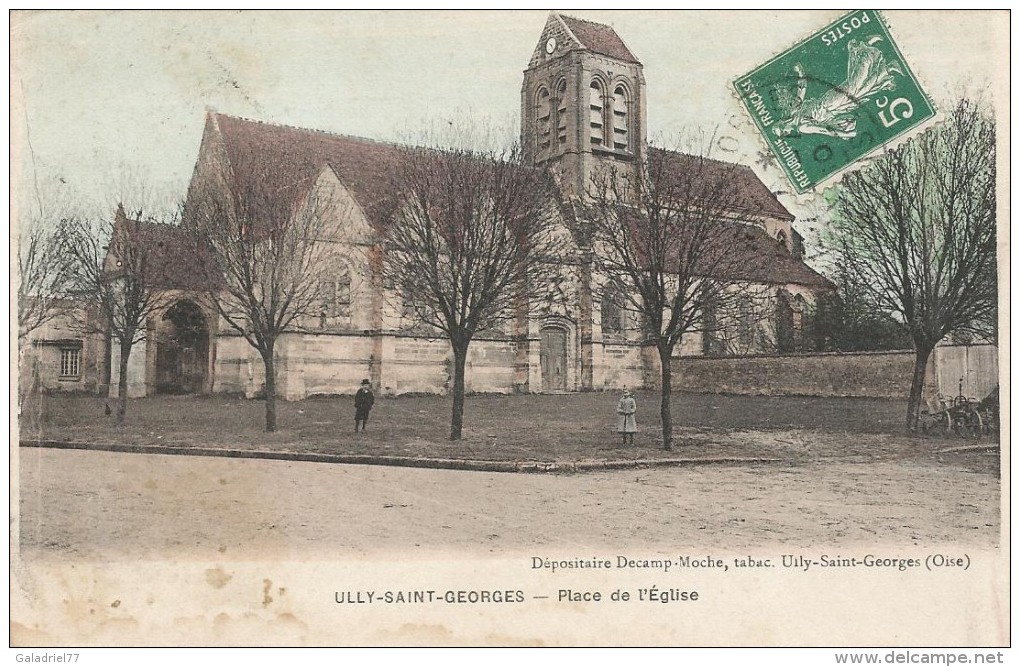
(732, 252)
(599, 38)
(288, 160)
(174, 259)
(752, 194)
(768, 261)
(291, 158)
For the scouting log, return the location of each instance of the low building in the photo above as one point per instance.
(65, 354)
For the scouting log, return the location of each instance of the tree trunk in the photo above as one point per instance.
(268, 361)
(122, 374)
(921, 354)
(104, 388)
(665, 414)
(585, 327)
(459, 363)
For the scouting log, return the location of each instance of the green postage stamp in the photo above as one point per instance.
(834, 98)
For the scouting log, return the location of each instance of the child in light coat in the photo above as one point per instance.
(626, 423)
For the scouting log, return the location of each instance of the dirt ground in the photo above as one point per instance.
(80, 504)
(842, 473)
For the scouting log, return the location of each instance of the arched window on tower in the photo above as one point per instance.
(596, 115)
(543, 119)
(620, 114)
(561, 112)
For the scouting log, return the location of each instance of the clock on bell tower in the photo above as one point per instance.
(582, 102)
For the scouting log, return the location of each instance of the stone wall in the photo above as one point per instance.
(867, 374)
(335, 364)
(230, 365)
(39, 355)
(137, 386)
(416, 365)
(619, 365)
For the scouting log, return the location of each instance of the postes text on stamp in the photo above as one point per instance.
(834, 98)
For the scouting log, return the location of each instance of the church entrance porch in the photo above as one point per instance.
(182, 350)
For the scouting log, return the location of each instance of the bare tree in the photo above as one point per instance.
(43, 270)
(43, 274)
(738, 324)
(473, 244)
(265, 260)
(918, 228)
(671, 232)
(112, 273)
(850, 320)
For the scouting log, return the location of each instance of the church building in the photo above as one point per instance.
(583, 105)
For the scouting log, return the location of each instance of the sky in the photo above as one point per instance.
(110, 100)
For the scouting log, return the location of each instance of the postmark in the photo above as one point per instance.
(834, 98)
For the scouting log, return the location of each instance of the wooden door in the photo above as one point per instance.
(554, 359)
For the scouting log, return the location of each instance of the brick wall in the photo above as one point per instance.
(869, 374)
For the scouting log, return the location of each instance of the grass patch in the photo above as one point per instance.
(564, 427)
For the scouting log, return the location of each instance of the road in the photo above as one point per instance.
(102, 504)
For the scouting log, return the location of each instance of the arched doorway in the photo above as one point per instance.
(182, 350)
(554, 359)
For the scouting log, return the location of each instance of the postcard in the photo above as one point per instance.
(510, 328)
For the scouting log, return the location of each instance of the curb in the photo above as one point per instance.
(992, 446)
(399, 461)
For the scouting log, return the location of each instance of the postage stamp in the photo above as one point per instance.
(834, 98)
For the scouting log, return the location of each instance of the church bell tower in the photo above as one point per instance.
(582, 103)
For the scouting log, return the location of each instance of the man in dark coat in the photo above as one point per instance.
(363, 401)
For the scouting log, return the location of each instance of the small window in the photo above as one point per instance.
(70, 362)
(335, 296)
(596, 119)
(614, 313)
(781, 237)
(799, 311)
(620, 111)
(561, 112)
(543, 113)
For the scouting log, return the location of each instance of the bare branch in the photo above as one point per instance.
(676, 232)
(474, 242)
(917, 229)
(113, 269)
(43, 279)
(264, 263)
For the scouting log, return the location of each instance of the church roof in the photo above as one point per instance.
(288, 160)
(753, 195)
(733, 251)
(367, 167)
(598, 38)
(173, 257)
(773, 263)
